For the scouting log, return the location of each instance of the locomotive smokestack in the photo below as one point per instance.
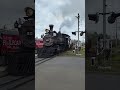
(51, 27)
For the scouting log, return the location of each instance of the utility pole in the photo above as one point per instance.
(104, 25)
(116, 32)
(78, 29)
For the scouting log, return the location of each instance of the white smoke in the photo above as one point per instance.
(61, 13)
(68, 22)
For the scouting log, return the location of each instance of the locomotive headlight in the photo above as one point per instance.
(47, 40)
(54, 34)
(29, 11)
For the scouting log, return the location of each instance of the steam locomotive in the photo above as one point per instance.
(19, 46)
(54, 43)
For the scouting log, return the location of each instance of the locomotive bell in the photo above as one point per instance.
(29, 11)
(51, 27)
(46, 30)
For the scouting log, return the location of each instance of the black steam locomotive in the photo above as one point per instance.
(21, 62)
(54, 43)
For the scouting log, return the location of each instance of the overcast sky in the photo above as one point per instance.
(93, 6)
(61, 13)
(11, 10)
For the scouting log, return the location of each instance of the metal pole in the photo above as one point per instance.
(104, 25)
(116, 32)
(78, 30)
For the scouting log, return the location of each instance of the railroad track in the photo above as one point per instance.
(3, 74)
(42, 60)
(39, 61)
(8, 82)
(19, 81)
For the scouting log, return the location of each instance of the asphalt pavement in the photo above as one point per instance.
(102, 81)
(61, 73)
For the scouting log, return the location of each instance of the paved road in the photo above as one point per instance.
(102, 81)
(61, 73)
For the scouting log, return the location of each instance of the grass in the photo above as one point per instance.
(70, 53)
(115, 65)
(115, 62)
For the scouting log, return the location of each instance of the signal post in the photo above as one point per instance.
(111, 19)
(81, 32)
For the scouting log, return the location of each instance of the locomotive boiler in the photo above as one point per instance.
(54, 43)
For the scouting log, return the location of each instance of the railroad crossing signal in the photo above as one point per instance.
(74, 33)
(94, 17)
(81, 34)
(112, 17)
